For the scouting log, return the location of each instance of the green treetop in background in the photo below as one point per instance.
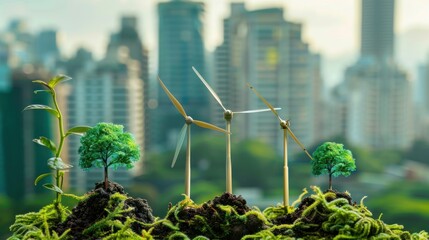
(332, 159)
(107, 145)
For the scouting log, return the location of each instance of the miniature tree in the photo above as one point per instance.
(107, 145)
(332, 159)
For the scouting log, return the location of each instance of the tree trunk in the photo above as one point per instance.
(106, 182)
(330, 181)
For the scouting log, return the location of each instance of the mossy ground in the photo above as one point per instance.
(101, 214)
(329, 215)
(112, 214)
(224, 217)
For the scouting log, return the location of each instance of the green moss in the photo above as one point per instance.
(332, 217)
(188, 220)
(39, 225)
(110, 227)
(319, 216)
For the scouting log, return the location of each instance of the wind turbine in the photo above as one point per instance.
(285, 125)
(227, 114)
(186, 130)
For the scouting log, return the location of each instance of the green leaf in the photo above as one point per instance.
(78, 130)
(46, 142)
(53, 187)
(42, 107)
(40, 177)
(42, 83)
(57, 79)
(56, 163)
(39, 91)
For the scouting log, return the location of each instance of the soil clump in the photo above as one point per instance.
(225, 217)
(96, 206)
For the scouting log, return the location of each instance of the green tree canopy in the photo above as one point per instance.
(107, 145)
(331, 158)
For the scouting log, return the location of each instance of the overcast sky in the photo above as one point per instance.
(330, 26)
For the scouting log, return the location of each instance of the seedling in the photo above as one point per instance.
(332, 159)
(107, 145)
(186, 130)
(55, 163)
(285, 125)
(227, 114)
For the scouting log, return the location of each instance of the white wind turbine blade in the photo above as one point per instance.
(299, 143)
(265, 101)
(209, 88)
(209, 126)
(180, 141)
(175, 102)
(257, 110)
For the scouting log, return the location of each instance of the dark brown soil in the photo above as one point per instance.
(93, 209)
(211, 221)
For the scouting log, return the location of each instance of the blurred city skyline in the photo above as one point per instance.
(330, 27)
(351, 71)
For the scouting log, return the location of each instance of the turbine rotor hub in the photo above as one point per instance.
(284, 124)
(227, 114)
(189, 120)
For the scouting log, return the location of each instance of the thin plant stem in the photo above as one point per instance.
(60, 147)
(285, 170)
(228, 158)
(188, 163)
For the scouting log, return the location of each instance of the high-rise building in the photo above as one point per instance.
(263, 48)
(422, 102)
(422, 89)
(20, 43)
(377, 29)
(23, 159)
(2, 157)
(4, 88)
(109, 93)
(5, 81)
(127, 44)
(181, 46)
(46, 51)
(379, 107)
(81, 62)
(377, 92)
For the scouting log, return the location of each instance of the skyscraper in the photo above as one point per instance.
(180, 47)
(4, 89)
(2, 157)
(377, 31)
(127, 44)
(263, 48)
(24, 160)
(46, 51)
(379, 106)
(377, 91)
(423, 86)
(422, 102)
(20, 43)
(5, 81)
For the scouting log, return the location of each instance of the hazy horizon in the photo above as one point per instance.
(331, 27)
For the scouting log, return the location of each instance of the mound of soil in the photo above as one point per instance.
(93, 209)
(305, 203)
(225, 217)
